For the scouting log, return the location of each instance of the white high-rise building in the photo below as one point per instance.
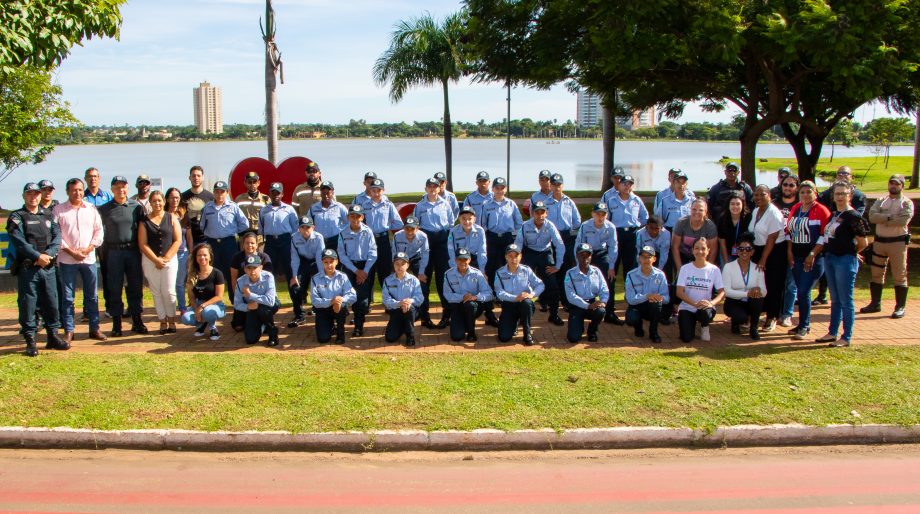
(589, 111)
(207, 102)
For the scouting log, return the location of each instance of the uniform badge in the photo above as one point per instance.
(48, 223)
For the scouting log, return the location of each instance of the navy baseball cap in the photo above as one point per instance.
(377, 183)
(30, 186)
(119, 178)
(545, 174)
(618, 172)
(277, 186)
(400, 256)
(539, 206)
(44, 184)
(650, 250)
(628, 178)
(584, 248)
(440, 176)
(329, 253)
(784, 172)
(327, 184)
(601, 207)
(220, 184)
(411, 221)
(512, 248)
(253, 260)
(432, 182)
(499, 181)
(556, 179)
(482, 175)
(467, 209)
(306, 221)
(355, 209)
(732, 166)
(252, 176)
(680, 174)
(370, 174)
(674, 171)
(463, 253)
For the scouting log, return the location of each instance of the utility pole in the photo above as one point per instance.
(508, 142)
(915, 173)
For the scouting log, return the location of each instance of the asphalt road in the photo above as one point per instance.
(824, 480)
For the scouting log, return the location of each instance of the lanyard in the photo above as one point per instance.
(746, 276)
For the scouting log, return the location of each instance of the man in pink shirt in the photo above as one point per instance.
(81, 234)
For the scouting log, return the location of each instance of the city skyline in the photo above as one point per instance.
(328, 51)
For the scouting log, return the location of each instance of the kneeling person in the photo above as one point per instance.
(468, 295)
(516, 286)
(402, 297)
(255, 294)
(587, 292)
(331, 293)
(646, 293)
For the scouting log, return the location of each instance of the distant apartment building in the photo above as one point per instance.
(207, 101)
(589, 113)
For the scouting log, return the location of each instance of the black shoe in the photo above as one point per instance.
(667, 320)
(615, 320)
(819, 301)
(899, 312)
(900, 304)
(199, 331)
(556, 320)
(410, 341)
(655, 338)
(640, 332)
(139, 329)
(340, 338)
(592, 338)
(543, 307)
(56, 343)
(442, 324)
(871, 309)
(309, 312)
(296, 322)
(427, 323)
(492, 321)
(471, 337)
(116, 327)
(755, 334)
(528, 339)
(273, 340)
(31, 347)
(736, 329)
(357, 332)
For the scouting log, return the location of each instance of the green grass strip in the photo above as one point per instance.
(437, 391)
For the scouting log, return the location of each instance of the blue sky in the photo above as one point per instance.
(328, 48)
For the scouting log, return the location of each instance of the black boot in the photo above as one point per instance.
(137, 324)
(875, 305)
(55, 342)
(116, 326)
(31, 347)
(491, 320)
(900, 295)
(272, 336)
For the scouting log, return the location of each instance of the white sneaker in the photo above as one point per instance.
(704, 333)
(786, 321)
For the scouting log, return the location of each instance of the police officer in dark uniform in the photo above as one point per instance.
(36, 239)
(120, 219)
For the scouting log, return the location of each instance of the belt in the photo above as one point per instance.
(272, 238)
(894, 239)
(385, 233)
(628, 230)
(502, 235)
(219, 240)
(121, 246)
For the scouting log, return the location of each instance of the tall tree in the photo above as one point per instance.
(273, 69)
(425, 52)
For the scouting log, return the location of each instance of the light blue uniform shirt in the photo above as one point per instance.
(539, 196)
(415, 249)
(583, 288)
(381, 216)
(671, 209)
(541, 239)
(473, 282)
(357, 246)
(329, 221)
(501, 217)
(99, 199)
(656, 209)
(508, 285)
(564, 214)
(261, 292)
(452, 200)
(395, 290)
(434, 216)
(310, 249)
(475, 200)
(629, 213)
(604, 238)
(639, 286)
(224, 221)
(324, 289)
(475, 242)
(274, 221)
(661, 244)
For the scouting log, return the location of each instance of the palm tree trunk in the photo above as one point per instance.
(448, 137)
(271, 108)
(609, 127)
(915, 173)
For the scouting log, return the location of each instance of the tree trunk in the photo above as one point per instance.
(915, 173)
(448, 137)
(806, 158)
(271, 108)
(609, 127)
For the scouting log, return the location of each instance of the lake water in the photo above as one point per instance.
(404, 164)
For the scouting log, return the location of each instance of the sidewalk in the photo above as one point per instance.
(870, 329)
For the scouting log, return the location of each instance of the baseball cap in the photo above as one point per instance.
(463, 253)
(220, 184)
(432, 182)
(119, 178)
(253, 260)
(141, 178)
(650, 250)
(556, 179)
(43, 184)
(680, 174)
(30, 186)
(355, 209)
(512, 248)
(252, 176)
(732, 165)
(897, 178)
(440, 176)
(545, 174)
(499, 181)
(377, 183)
(467, 209)
(306, 221)
(538, 206)
(411, 221)
(618, 172)
(584, 248)
(277, 186)
(600, 207)
(784, 171)
(400, 256)
(312, 166)
(329, 253)
(675, 171)
(482, 175)
(327, 184)
(628, 178)
(370, 174)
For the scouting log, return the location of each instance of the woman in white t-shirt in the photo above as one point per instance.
(769, 229)
(699, 287)
(744, 288)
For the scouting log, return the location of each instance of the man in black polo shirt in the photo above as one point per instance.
(193, 200)
(120, 219)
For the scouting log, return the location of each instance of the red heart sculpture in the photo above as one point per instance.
(291, 173)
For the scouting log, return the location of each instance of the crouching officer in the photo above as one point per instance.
(331, 293)
(601, 234)
(402, 297)
(468, 295)
(36, 239)
(307, 247)
(587, 292)
(516, 286)
(256, 295)
(646, 294)
(538, 238)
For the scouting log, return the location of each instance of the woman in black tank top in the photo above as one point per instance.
(159, 238)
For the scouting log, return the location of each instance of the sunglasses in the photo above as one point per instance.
(745, 248)
(789, 185)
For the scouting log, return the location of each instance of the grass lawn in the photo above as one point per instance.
(504, 390)
(869, 173)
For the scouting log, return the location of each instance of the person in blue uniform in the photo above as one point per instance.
(329, 216)
(256, 296)
(543, 249)
(628, 214)
(546, 190)
(369, 179)
(435, 217)
(472, 237)
(331, 293)
(587, 292)
(445, 194)
(277, 222)
(402, 297)
(381, 216)
(646, 294)
(675, 203)
(480, 195)
(414, 243)
(468, 295)
(616, 177)
(357, 251)
(655, 235)
(36, 240)
(307, 247)
(516, 286)
(601, 234)
(563, 212)
(221, 221)
(502, 220)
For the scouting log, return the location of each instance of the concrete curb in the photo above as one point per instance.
(474, 440)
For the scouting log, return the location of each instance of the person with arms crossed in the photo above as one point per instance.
(587, 292)
(647, 294)
(330, 294)
(402, 296)
(516, 286)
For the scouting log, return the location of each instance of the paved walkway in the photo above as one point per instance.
(870, 329)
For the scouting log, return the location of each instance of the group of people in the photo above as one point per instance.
(756, 250)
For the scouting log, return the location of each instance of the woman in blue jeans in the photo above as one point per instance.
(206, 287)
(844, 239)
(173, 199)
(805, 226)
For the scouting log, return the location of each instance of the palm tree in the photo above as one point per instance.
(424, 52)
(273, 66)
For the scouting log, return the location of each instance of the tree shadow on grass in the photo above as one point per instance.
(735, 351)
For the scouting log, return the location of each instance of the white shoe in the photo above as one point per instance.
(786, 321)
(704, 333)
(769, 326)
